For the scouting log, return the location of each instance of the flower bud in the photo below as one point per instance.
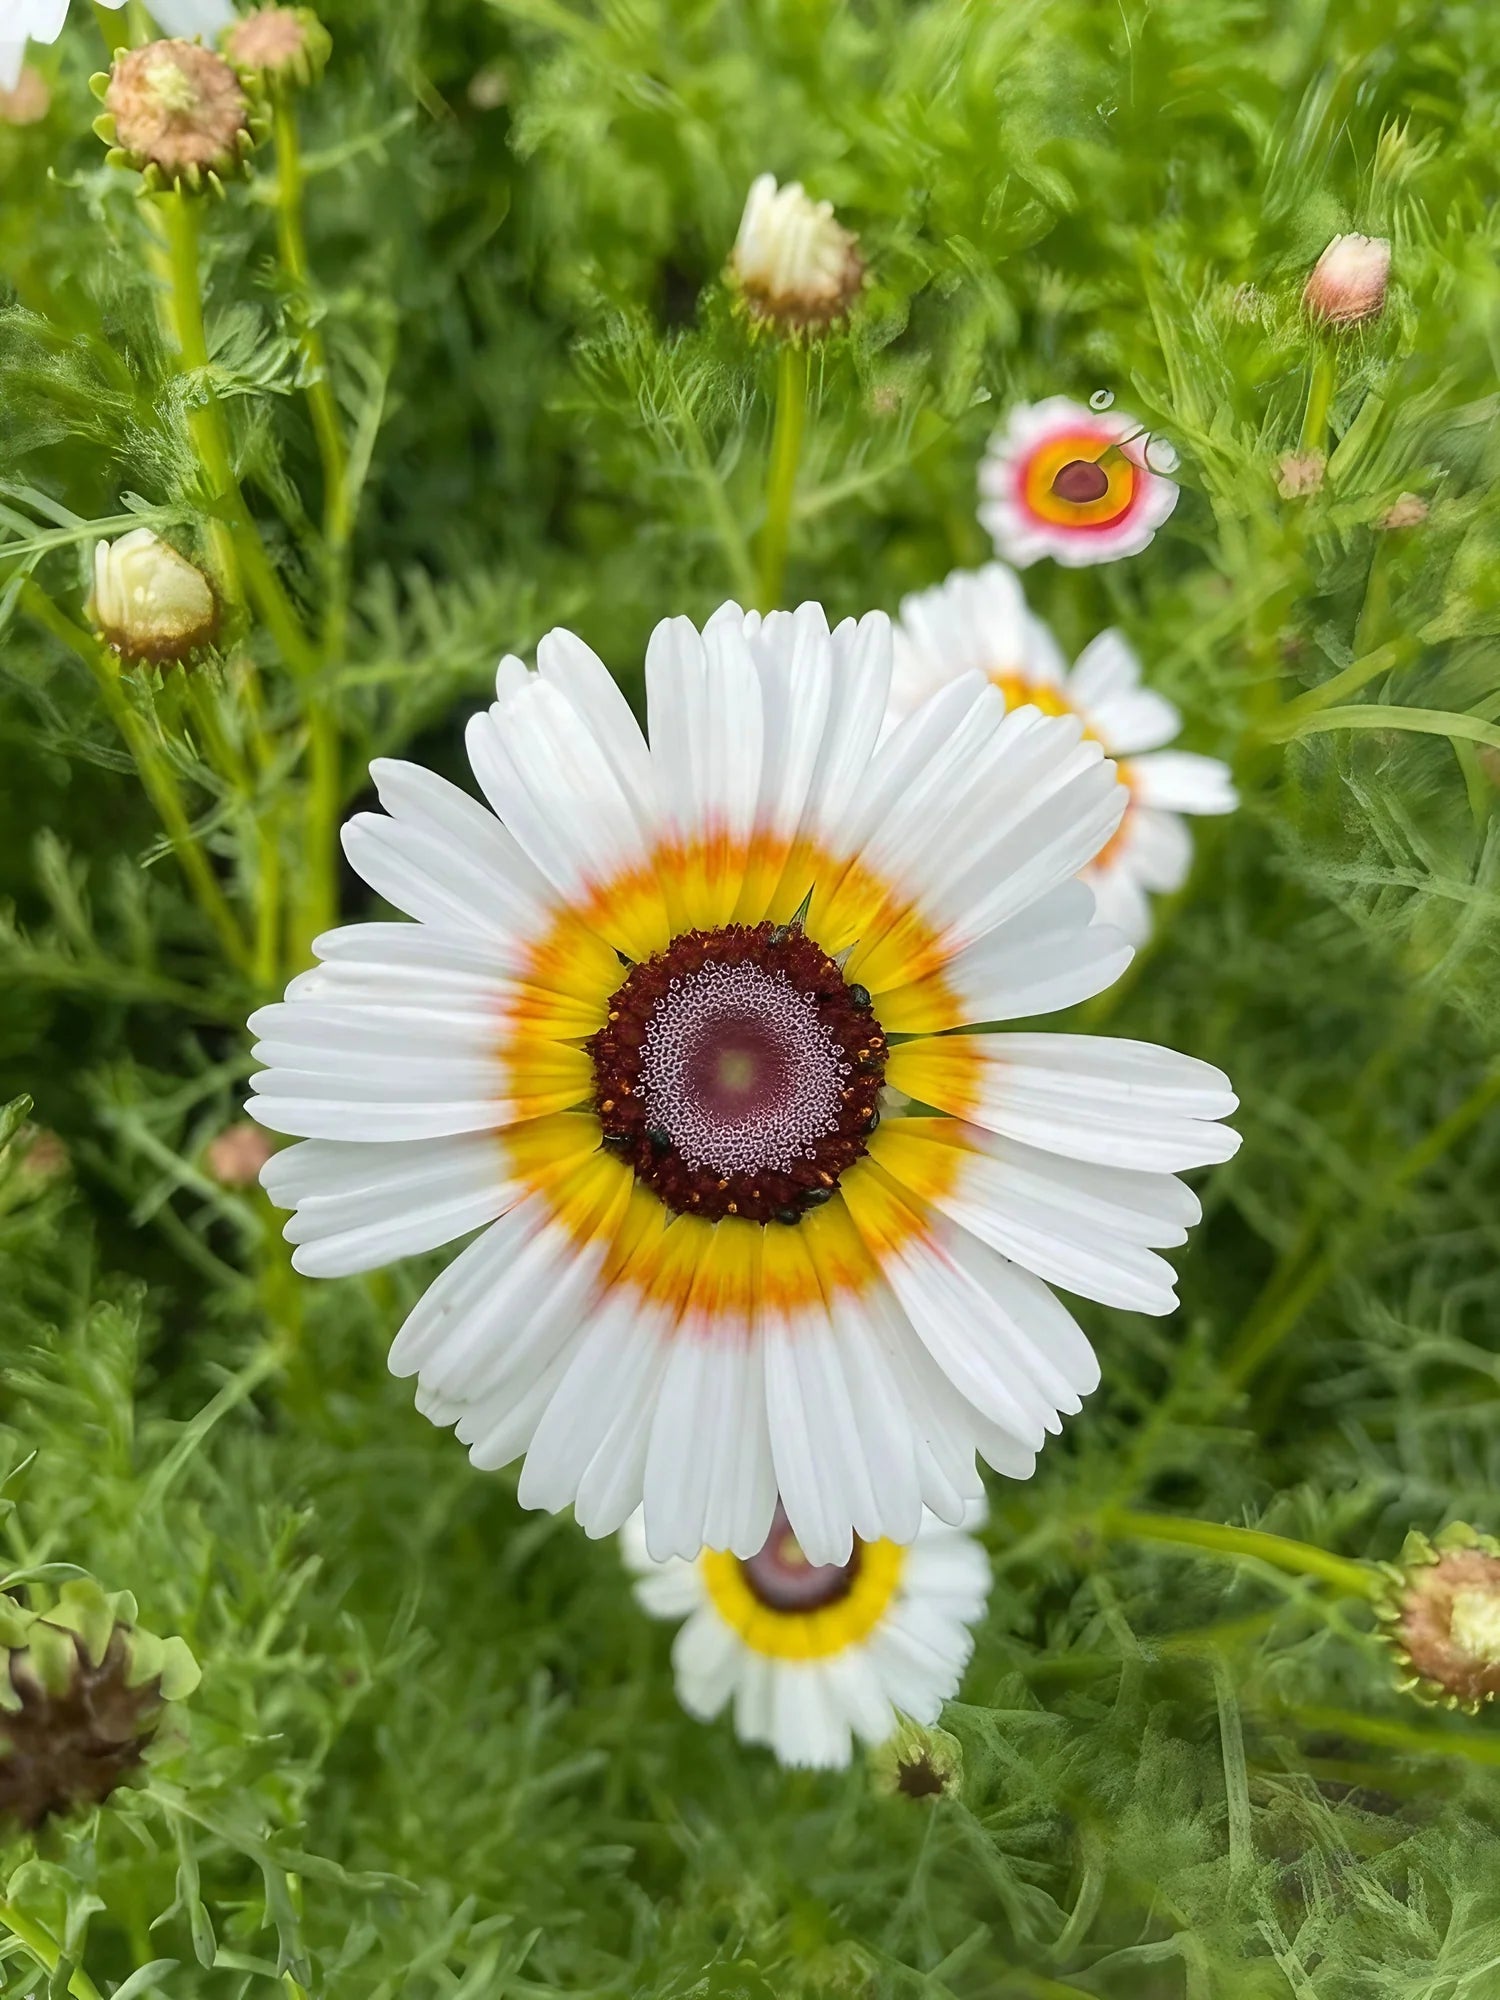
(82, 1689)
(236, 1156)
(1441, 1613)
(1407, 510)
(794, 264)
(1300, 473)
(1349, 280)
(149, 602)
(285, 48)
(918, 1763)
(178, 114)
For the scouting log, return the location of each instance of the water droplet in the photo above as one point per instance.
(1161, 457)
(1102, 399)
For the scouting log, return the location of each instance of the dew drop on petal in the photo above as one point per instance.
(1102, 399)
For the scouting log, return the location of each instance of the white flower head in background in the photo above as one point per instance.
(1349, 281)
(638, 1034)
(42, 21)
(793, 262)
(1080, 485)
(149, 602)
(977, 621)
(810, 1657)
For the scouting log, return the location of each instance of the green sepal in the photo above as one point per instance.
(180, 1672)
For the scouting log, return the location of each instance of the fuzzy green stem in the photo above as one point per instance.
(1320, 392)
(1421, 721)
(781, 471)
(45, 1949)
(155, 772)
(1216, 1538)
(179, 216)
(1292, 718)
(1403, 1736)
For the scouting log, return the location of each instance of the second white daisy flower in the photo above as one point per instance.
(977, 621)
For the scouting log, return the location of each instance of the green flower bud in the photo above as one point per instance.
(179, 115)
(1440, 1613)
(284, 48)
(918, 1763)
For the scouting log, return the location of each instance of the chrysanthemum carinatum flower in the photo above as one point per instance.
(816, 1655)
(1079, 485)
(794, 264)
(42, 21)
(640, 1028)
(977, 621)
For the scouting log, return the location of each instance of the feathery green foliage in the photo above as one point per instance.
(435, 1751)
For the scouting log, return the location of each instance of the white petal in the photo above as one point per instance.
(358, 1207)
(1179, 781)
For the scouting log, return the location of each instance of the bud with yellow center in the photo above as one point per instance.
(1349, 281)
(794, 266)
(1441, 1616)
(178, 114)
(284, 48)
(149, 602)
(82, 1691)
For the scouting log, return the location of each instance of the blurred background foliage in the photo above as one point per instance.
(435, 1750)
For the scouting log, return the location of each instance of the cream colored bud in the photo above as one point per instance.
(149, 602)
(793, 261)
(1349, 281)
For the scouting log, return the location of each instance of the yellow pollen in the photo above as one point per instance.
(1018, 691)
(736, 1071)
(1475, 1626)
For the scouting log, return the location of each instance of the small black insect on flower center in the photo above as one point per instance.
(739, 1072)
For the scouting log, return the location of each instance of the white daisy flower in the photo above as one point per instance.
(42, 21)
(640, 1029)
(977, 622)
(816, 1655)
(793, 261)
(1079, 485)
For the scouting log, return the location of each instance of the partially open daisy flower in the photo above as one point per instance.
(977, 621)
(814, 1656)
(793, 263)
(1077, 484)
(640, 1029)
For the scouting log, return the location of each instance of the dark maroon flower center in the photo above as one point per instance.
(1080, 481)
(739, 1072)
(783, 1579)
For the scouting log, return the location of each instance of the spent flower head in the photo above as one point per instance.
(178, 114)
(149, 602)
(1441, 1616)
(1349, 281)
(82, 1689)
(794, 265)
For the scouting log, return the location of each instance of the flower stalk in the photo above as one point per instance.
(781, 470)
(1216, 1538)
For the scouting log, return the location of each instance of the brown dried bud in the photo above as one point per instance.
(236, 1156)
(283, 46)
(177, 113)
(81, 1695)
(1442, 1616)
(1349, 280)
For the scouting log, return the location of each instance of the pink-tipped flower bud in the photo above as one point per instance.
(1349, 281)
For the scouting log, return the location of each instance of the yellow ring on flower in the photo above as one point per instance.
(805, 1635)
(1053, 454)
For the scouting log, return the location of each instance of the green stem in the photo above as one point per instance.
(1352, 1579)
(1407, 1736)
(1263, 1334)
(1289, 720)
(1320, 390)
(1422, 721)
(155, 772)
(321, 402)
(211, 437)
(45, 1949)
(781, 471)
